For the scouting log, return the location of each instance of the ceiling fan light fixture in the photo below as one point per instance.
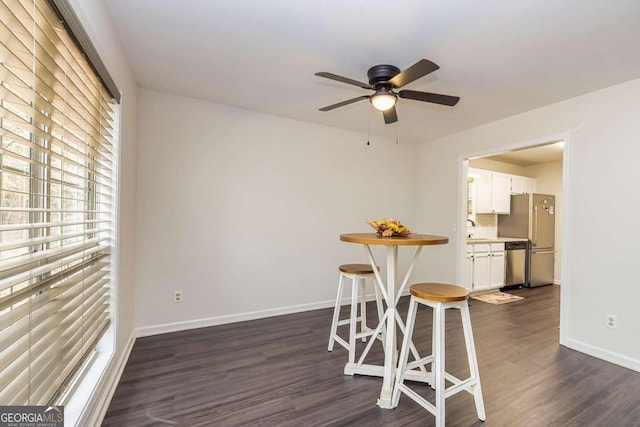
(383, 99)
(383, 80)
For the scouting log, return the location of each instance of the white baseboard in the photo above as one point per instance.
(146, 331)
(600, 353)
(95, 412)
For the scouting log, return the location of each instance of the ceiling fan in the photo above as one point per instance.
(384, 79)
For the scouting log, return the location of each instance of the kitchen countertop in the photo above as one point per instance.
(474, 240)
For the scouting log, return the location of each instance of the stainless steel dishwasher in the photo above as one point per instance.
(515, 264)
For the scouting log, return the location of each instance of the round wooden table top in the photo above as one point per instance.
(410, 240)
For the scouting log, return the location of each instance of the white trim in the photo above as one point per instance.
(600, 353)
(463, 165)
(565, 292)
(98, 402)
(146, 331)
(461, 233)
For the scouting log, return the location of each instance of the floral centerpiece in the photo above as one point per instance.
(389, 228)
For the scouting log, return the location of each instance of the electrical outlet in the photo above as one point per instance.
(177, 296)
(612, 321)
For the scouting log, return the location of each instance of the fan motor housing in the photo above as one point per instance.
(386, 80)
(381, 74)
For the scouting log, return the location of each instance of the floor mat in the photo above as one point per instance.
(497, 298)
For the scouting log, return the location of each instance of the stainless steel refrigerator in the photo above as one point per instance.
(533, 217)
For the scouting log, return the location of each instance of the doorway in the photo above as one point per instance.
(531, 167)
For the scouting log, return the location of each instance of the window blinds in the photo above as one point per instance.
(56, 205)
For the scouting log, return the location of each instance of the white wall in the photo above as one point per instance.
(549, 181)
(600, 274)
(242, 211)
(96, 20)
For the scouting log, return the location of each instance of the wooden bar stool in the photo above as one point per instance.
(440, 297)
(357, 273)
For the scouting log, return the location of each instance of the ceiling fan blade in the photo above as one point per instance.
(344, 80)
(414, 72)
(343, 103)
(435, 98)
(390, 115)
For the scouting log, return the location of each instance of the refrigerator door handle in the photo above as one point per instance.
(535, 226)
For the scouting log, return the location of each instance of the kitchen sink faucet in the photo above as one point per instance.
(473, 224)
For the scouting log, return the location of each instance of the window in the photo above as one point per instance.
(57, 178)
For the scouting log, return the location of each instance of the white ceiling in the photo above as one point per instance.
(502, 57)
(531, 156)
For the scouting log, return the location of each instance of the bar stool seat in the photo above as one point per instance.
(360, 269)
(357, 273)
(439, 296)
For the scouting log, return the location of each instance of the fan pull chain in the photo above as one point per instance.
(369, 129)
(397, 125)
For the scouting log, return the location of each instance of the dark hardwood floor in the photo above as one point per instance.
(278, 372)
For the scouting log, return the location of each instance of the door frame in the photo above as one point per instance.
(463, 169)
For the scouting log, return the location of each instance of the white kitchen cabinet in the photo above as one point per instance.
(485, 266)
(496, 265)
(467, 273)
(529, 185)
(481, 271)
(522, 185)
(517, 184)
(493, 193)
